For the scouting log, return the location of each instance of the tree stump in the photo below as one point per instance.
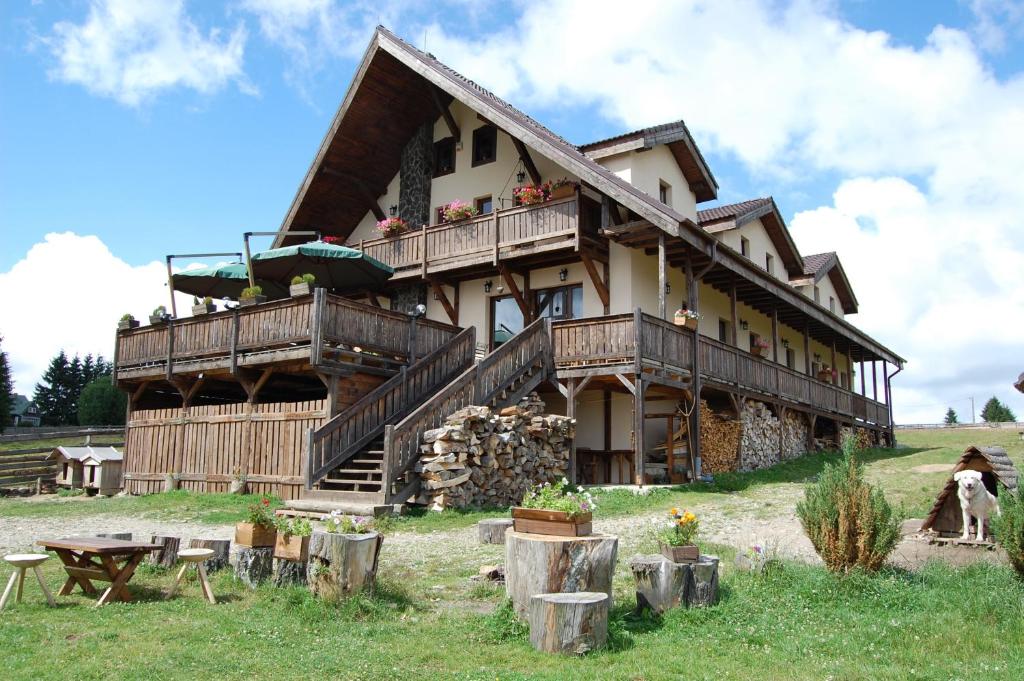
(221, 552)
(545, 564)
(168, 555)
(492, 530)
(126, 536)
(342, 564)
(290, 573)
(255, 565)
(660, 584)
(704, 591)
(573, 623)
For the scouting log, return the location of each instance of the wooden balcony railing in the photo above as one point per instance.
(486, 238)
(311, 326)
(613, 343)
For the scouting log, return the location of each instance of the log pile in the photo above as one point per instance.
(719, 441)
(767, 439)
(480, 457)
(863, 438)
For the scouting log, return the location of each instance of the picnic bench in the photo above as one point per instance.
(101, 559)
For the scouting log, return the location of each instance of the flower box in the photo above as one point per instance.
(825, 376)
(543, 521)
(687, 553)
(686, 322)
(291, 547)
(126, 324)
(202, 309)
(299, 290)
(757, 351)
(247, 534)
(562, 192)
(246, 302)
(158, 319)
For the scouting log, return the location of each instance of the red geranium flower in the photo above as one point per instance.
(329, 239)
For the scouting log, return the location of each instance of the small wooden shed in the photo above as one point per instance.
(69, 465)
(101, 471)
(945, 518)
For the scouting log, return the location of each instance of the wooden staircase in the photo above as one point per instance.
(362, 458)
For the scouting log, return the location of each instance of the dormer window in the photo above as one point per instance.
(485, 145)
(444, 157)
(744, 246)
(769, 263)
(664, 192)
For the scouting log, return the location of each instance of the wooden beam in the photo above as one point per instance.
(775, 335)
(735, 316)
(662, 282)
(639, 444)
(807, 350)
(626, 382)
(524, 156)
(251, 383)
(599, 286)
(137, 394)
(450, 310)
(368, 195)
(446, 113)
(516, 293)
(372, 297)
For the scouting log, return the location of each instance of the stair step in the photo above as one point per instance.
(369, 462)
(355, 471)
(354, 483)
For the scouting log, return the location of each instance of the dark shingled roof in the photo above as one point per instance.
(731, 210)
(813, 263)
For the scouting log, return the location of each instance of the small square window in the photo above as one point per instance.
(485, 145)
(723, 330)
(484, 204)
(769, 263)
(444, 157)
(664, 192)
(744, 246)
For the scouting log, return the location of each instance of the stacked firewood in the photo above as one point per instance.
(719, 441)
(767, 439)
(481, 457)
(862, 437)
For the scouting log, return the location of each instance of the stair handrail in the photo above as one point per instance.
(348, 432)
(477, 385)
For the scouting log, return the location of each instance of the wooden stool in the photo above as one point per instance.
(21, 563)
(195, 557)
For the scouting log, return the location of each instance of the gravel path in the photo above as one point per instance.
(18, 534)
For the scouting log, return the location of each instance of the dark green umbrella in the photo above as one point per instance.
(223, 281)
(335, 267)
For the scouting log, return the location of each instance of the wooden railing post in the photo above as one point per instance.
(170, 347)
(234, 341)
(310, 459)
(316, 322)
(412, 339)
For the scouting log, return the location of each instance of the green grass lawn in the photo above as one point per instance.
(429, 620)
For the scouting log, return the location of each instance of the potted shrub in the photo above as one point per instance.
(292, 542)
(530, 194)
(458, 210)
(677, 540)
(127, 322)
(159, 315)
(759, 346)
(258, 529)
(687, 318)
(389, 227)
(205, 307)
(251, 295)
(302, 285)
(563, 188)
(560, 509)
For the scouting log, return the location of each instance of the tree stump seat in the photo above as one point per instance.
(662, 585)
(492, 530)
(569, 623)
(255, 565)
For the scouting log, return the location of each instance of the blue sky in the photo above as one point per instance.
(179, 160)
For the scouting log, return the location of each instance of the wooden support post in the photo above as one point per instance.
(137, 395)
(510, 282)
(775, 335)
(662, 282)
(691, 284)
(834, 367)
(863, 388)
(570, 411)
(446, 113)
(639, 443)
(170, 287)
(442, 297)
(524, 156)
(874, 381)
(807, 350)
(599, 286)
(735, 316)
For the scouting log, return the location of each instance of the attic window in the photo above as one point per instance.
(664, 192)
(831, 304)
(817, 295)
(444, 157)
(744, 246)
(485, 145)
(769, 263)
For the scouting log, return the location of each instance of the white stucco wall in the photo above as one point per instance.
(645, 170)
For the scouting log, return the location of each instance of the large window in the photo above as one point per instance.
(485, 145)
(506, 319)
(563, 302)
(444, 157)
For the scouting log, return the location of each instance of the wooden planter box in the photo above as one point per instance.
(689, 553)
(299, 290)
(246, 302)
(291, 547)
(825, 376)
(203, 309)
(153, 319)
(686, 322)
(563, 192)
(128, 324)
(757, 351)
(541, 521)
(247, 534)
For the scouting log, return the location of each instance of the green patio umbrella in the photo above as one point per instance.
(335, 267)
(223, 281)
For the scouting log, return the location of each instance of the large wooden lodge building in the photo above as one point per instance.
(326, 396)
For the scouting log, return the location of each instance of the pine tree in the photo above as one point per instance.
(951, 417)
(6, 391)
(997, 412)
(55, 395)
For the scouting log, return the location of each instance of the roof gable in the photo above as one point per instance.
(817, 267)
(735, 215)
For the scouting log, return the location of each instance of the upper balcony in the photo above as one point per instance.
(319, 330)
(480, 241)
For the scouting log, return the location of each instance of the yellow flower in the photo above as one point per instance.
(674, 511)
(689, 517)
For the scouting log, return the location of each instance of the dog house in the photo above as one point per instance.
(101, 472)
(945, 518)
(71, 470)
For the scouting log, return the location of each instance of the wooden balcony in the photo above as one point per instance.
(634, 343)
(320, 330)
(483, 240)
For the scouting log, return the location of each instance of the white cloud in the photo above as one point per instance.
(131, 50)
(995, 21)
(68, 292)
(925, 140)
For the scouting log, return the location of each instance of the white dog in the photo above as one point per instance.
(975, 501)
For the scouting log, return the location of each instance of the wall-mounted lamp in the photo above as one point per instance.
(668, 288)
(785, 342)
(487, 286)
(744, 325)
(394, 211)
(563, 274)
(520, 177)
(418, 311)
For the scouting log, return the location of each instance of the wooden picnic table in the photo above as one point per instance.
(101, 559)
